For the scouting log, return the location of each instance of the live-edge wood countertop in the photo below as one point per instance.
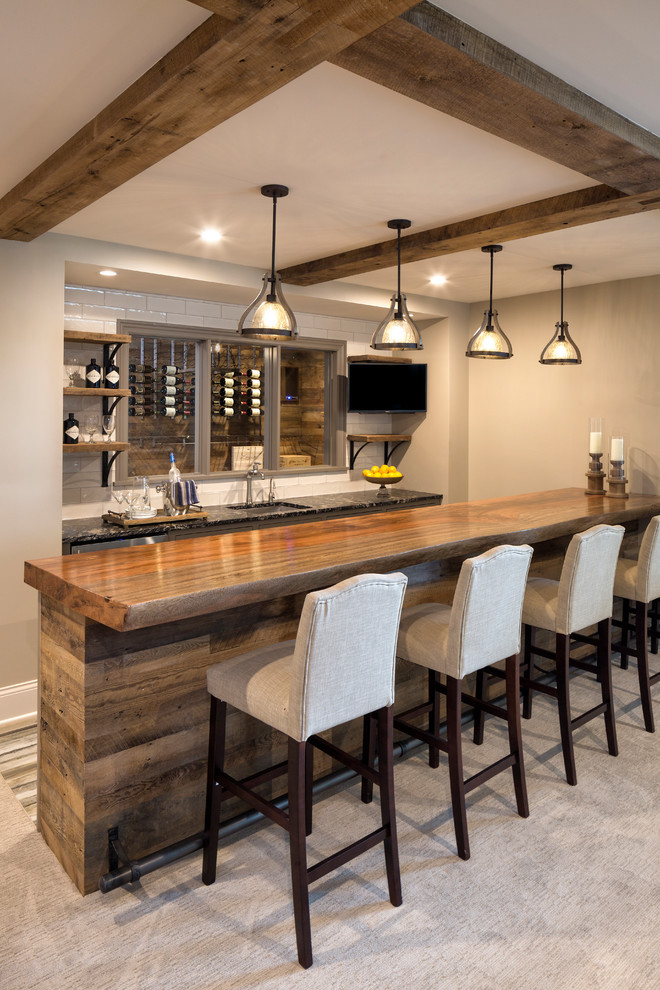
(136, 587)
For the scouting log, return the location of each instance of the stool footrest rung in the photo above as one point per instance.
(483, 775)
(349, 761)
(588, 716)
(541, 686)
(346, 854)
(247, 794)
(422, 734)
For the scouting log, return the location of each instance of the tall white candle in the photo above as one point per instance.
(595, 443)
(616, 451)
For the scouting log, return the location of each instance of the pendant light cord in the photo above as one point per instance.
(562, 301)
(490, 300)
(271, 294)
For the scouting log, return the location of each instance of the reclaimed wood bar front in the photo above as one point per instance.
(127, 636)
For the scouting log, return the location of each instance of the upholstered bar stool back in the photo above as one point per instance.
(638, 582)
(339, 667)
(481, 627)
(581, 597)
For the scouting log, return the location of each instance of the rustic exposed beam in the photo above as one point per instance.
(430, 56)
(221, 68)
(541, 217)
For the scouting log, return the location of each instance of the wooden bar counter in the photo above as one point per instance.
(127, 636)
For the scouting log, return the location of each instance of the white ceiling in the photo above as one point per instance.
(352, 153)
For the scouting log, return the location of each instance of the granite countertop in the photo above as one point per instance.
(300, 509)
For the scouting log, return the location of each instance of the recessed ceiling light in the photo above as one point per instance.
(107, 272)
(438, 279)
(210, 235)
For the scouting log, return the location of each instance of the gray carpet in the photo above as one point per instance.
(565, 899)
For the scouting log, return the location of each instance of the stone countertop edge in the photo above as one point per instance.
(94, 529)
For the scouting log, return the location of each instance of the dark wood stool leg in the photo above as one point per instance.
(455, 754)
(654, 612)
(298, 849)
(368, 755)
(625, 632)
(387, 809)
(514, 725)
(604, 659)
(528, 667)
(641, 626)
(563, 643)
(309, 781)
(216, 763)
(479, 714)
(434, 717)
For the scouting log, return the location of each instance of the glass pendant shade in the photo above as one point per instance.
(397, 332)
(490, 340)
(269, 315)
(561, 349)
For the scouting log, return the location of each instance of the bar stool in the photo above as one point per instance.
(582, 597)
(339, 667)
(638, 582)
(481, 627)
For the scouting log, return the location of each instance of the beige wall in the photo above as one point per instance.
(528, 423)
(32, 295)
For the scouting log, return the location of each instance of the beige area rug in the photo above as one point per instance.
(568, 898)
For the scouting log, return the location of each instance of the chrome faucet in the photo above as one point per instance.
(253, 472)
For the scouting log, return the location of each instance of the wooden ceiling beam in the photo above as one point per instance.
(541, 217)
(433, 58)
(227, 64)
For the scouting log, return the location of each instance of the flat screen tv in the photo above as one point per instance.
(375, 387)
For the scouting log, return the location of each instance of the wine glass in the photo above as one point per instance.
(71, 369)
(117, 491)
(91, 426)
(108, 423)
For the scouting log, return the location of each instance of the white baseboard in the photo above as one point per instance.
(18, 703)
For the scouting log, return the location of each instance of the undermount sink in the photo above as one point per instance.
(260, 507)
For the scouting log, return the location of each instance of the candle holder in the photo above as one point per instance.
(595, 474)
(616, 480)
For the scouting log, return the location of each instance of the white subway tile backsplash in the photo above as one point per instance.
(80, 294)
(233, 313)
(129, 300)
(73, 310)
(93, 326)
(94, 312)
(182, 320)
(196, 307)
(166, 304)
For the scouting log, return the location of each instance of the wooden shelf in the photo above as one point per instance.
(89, 337)
(111, 393)
(83, 447)
(377, 359)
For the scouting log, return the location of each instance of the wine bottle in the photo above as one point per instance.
(111, 376)
(252, 391)
(140, 367)
(140, 378)
(138, 389)
(223, 380)
(169, 369)
(168, 390)
(168, 411)
(140, 410)
(71, 429)
(167, 400)
(222, 390)
(226, 400)
(250, 411)
(170, 379)
(251, 402)
(93, 375)
(250, 373)
(140, 400)
(223, 411)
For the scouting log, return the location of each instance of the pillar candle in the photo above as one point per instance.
(595, 443)
(616, 452)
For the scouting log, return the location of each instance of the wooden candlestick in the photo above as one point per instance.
(616, 482)
(595, 476)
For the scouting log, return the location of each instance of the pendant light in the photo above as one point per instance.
(561, 349)
(397, 332)
(270, 316)
(490, 341)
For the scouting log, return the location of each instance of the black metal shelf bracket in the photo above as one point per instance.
(106, 463)
(386, 450)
